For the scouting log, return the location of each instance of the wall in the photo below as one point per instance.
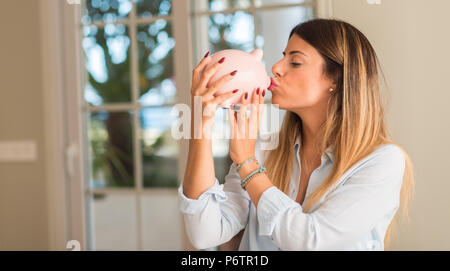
(23, 205)
(411, 38)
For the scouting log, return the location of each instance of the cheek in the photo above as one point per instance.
(307, 90)
(301, 84)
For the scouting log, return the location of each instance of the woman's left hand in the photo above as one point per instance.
(244, 131)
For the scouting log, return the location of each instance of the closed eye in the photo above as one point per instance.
(296, 64)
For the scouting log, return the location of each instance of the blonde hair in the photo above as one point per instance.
(355, 125)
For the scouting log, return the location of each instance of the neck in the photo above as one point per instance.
(312, 119)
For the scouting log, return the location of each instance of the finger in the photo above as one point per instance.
(256, 96)
(223, 97)
(234, 117)
(209, 73)
(232, 123)
(197, 72)
(254, 103)
(254, 117)
(220, 82)
(242, 117)
(260, 107)
(243, 106)
(236, 126)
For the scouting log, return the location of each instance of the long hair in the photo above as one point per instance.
(355, 125)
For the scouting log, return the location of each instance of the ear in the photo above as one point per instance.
(257, 53)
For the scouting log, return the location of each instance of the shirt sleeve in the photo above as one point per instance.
(218, 214)
(370, 193)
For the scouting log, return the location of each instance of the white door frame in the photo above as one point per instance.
(74, 152)
(64, 163)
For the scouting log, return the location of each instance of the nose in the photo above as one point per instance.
(276, 70)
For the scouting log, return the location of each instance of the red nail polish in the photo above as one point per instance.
(257, 91)
(246, 95)
(236, 90)
(222, 60)
(264, 93)
(233, 72)
(206, 54)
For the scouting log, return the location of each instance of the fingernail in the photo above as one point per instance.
(264, 93)
(233, 72)
(257, 91)
(206, 54)
(236, 90)
(222, 60)
(246, 95)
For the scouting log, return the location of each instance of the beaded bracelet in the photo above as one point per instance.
(245, 162)
(244, 182)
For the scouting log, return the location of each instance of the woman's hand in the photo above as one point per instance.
(244, 131)
(205, 96)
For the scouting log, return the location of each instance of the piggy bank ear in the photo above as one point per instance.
(257, 53)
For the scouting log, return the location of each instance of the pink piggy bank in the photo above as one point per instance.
(250, 75)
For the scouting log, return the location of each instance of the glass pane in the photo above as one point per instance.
(219, 5)
(161, 222)
(287, 18)
(105, 10)
(259, 3)
(159, 148)
(225, 31)
(155, 52)
(111, 149)
(150, 8)
(114, 221)
(107, 63)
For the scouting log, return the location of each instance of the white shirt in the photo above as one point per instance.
(355, 216)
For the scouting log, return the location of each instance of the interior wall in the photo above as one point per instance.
(411, 38)
(23, 209)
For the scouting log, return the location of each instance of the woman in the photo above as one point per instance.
(335, 180)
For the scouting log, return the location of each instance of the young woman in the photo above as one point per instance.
(335, 180)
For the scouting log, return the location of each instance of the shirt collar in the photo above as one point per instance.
(329, 152)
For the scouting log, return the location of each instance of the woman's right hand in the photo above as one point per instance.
(209, 100)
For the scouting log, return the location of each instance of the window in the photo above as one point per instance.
(129, 89)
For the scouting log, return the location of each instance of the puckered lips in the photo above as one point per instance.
(273, 84)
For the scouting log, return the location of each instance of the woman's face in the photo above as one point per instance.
(299, 76)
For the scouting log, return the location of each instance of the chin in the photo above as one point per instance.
(275, 101)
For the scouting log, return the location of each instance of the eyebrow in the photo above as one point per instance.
(295, 52)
